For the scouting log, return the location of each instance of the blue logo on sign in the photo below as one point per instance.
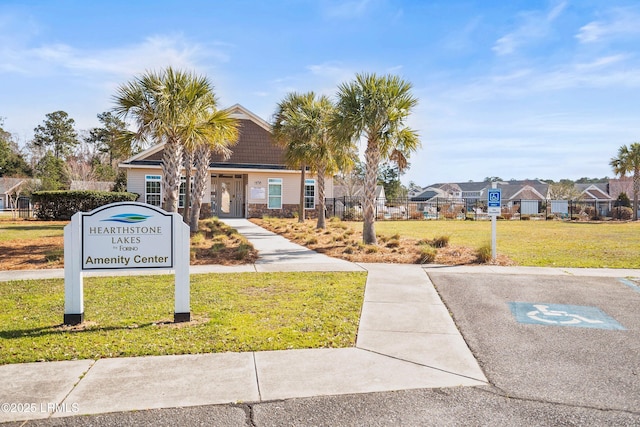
(128, 218)
(563, 315)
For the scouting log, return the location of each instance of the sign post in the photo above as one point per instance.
(125, 236)
(494, 201)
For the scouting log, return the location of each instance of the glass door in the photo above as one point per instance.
(227, 196)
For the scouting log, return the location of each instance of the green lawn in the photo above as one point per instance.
(132, 316)
(25, 230)
(536, 243)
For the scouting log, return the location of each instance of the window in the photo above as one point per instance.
(181, 192)
(275, 193)
(152, 190)
(309, 194)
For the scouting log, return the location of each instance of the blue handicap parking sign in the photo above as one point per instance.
(563, 315)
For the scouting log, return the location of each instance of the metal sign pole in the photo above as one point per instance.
(494, 201)
(494, 251)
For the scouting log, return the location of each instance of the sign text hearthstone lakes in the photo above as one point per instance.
(121, 238)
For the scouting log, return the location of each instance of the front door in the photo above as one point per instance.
(227, 196)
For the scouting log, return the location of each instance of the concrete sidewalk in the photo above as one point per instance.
(406, 340)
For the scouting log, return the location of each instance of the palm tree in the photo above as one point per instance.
(303, 127)
(628, 161)
(170, 107)
(376, 108)
(224, 132)
(287, 135)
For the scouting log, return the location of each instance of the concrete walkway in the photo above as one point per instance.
(406, 340)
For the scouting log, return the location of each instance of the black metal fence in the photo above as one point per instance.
(350, 209)
(24, 207)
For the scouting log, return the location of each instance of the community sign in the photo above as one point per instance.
(125, 236)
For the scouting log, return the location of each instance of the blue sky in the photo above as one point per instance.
(516, 89)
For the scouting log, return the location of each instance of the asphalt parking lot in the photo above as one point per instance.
(564, 353)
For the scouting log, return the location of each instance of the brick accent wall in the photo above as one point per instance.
(288, 211)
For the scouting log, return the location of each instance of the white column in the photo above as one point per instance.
(181, 258)
(73, 286)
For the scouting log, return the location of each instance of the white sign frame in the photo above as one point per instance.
(170, 238)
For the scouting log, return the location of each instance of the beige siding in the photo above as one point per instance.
(290, 186)
(328, 187)
(258, 183)
(135, 180)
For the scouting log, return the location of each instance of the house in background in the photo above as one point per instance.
(525, 196)
(348, 199)
(253, 182)
(512, 191)
(598, 195)
(9, 188)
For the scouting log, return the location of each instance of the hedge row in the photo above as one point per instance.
(61, 205)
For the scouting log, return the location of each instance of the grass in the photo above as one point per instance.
(526, 243)
(29, 230)
(132, 316)
(537, 243)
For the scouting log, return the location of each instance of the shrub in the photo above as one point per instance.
(416, 215)
(62, 205)
(54, 255)
(427, 255)
(353, 214)
(484, 254)
(393, 243)
(623, 201)
(590, 211)
(439, 242)
(217, 247)
(622, 213)
(197, 239)
(244, 249)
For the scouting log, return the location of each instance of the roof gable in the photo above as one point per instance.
(255, 146)
(594, 192)
(7, 185)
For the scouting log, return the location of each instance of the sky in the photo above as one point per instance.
(517, 89)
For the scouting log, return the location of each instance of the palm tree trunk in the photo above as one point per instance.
(202, 158)
(636, 190)
(187, 164)
(303, 177)
(372, 159)
(171, 163)
(321, 217)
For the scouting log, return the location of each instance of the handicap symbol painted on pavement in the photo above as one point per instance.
(563, 315)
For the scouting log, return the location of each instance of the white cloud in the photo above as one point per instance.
(152, 53)
(616, 23)
(601, 62)
(533, 25)
(591, 32)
